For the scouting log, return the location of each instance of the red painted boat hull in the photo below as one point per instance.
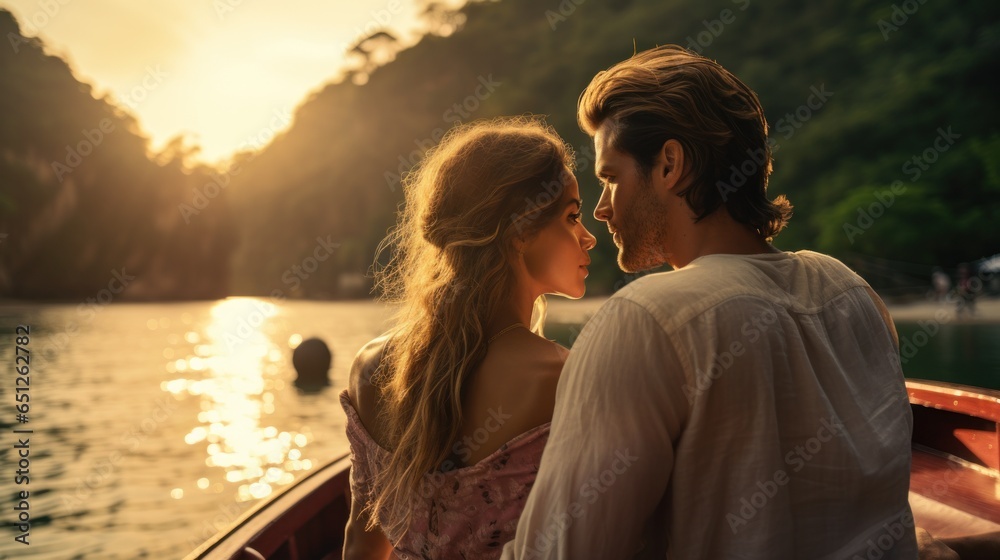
(954, 485)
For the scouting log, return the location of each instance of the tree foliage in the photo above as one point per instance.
(899, 76)
(82, 202)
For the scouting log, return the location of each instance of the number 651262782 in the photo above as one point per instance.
(22, 365)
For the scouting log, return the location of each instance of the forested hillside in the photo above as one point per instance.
(83, 205)
(885, 118)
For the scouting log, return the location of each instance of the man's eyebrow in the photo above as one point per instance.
(602, 171)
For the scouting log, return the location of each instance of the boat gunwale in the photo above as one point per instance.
(258, 520)
(941, 395)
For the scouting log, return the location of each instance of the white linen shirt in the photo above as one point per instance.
(744, 406)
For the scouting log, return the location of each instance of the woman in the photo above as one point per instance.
(449, 411)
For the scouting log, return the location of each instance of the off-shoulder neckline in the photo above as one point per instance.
(522, 438)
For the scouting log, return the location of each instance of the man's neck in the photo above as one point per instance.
(718, 233)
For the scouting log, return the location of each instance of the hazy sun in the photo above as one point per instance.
(227, 74)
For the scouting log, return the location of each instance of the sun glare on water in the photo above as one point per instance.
(229, 373)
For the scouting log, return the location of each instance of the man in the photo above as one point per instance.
(748, 404)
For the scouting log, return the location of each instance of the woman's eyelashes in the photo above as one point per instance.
(575, 218)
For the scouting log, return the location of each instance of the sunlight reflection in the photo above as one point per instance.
(232, 373)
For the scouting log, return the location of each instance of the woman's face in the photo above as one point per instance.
(556, 257)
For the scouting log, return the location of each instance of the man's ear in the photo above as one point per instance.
(671, 166)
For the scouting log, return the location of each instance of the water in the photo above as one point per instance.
(157, 424)
(967, 353)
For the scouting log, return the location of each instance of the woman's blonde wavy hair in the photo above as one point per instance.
(484, 185)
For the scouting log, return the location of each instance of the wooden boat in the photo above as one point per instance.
(954, 485)
(304, 522)
(955, 475)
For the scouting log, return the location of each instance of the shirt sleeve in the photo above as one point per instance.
(619, 411)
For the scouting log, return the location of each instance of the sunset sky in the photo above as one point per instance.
(227, 73)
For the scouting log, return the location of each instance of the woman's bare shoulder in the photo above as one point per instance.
(524, 352)
(366, 363)
(517, 382)
(361, 388)
(522, 373)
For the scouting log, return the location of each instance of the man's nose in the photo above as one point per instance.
(603, 209)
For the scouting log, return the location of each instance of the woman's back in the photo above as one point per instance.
(471, 506)
(511, 392)
(516, 381)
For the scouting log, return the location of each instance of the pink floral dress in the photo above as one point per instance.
(472, 511)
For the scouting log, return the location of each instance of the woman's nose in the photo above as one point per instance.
(589, 241)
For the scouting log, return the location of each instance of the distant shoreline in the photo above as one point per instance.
(566, 311)
(987, 311)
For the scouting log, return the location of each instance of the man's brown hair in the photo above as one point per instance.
(670, 93)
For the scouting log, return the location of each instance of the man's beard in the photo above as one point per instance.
(641, 234)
